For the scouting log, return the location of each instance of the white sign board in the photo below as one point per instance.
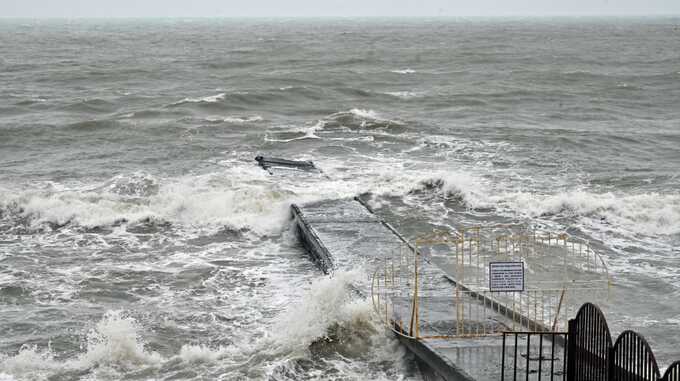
(506, 276)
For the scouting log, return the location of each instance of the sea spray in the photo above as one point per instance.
(329, 301)
(645, 213)
(334, 321)
(115, 341)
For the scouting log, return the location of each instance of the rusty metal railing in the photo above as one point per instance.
(439, 286)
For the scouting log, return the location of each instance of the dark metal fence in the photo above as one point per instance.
(673, 372)
(632, 359)
(534, 356)
(585, 353)
(590, 343)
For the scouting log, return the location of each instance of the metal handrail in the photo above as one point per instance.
(539, 308)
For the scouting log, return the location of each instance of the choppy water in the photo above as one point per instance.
(138, 239)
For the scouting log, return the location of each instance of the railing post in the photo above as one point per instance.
(503, 359)
(571, 351)
(610, 364)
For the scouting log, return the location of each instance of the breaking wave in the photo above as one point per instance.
(335, 126)
(334, 322)
(114, 342)
(460, 186)
(646, 213)
(331, 320)
(226, 198)
(357, 118)
(649, 214)
(201, 353)
(330, 301)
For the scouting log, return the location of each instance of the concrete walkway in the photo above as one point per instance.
(344, 235)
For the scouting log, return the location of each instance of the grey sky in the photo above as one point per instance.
(289, 8)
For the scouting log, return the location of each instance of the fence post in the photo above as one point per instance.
(610, 364)
(571, 350)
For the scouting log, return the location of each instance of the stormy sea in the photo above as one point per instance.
(140, 240)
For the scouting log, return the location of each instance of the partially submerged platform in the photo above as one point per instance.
(344, 234)
(272, 164)
(341, 234)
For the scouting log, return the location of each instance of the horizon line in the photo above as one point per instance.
(439, 16)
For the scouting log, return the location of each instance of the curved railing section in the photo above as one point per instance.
(487, 280)
(673, 372)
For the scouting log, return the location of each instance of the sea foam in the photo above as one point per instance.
(328, 301)
(114, 341)
(637, 213)
(403, 71)
(208, 99)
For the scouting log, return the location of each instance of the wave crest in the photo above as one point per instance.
(235, 199)
(114, 341)
(208, 99)
(330, 306)
(357, 118)
(403, 71)
(646, 213)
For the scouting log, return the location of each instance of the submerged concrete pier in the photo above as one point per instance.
(343, 234)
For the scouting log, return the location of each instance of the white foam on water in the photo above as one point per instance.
(235, 119)
(208, 99)
(202, 353)
(366, 114)
(405, 94)
(29, 361)
(460, 184)
(328, 301)
(243, 196)
(341, 121)
(650, 214)
(403, 71)
(114, 341)
(240, 196)
(308, 132)
(311, 132)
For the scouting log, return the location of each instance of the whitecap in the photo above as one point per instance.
(208, 99)
(404, 94)
(644, 213)
(328, 301)
(234, 197)
(464, 186)
(201, 353)
(241, 120)
(234, 119)
(114, 341)
(366, 114)
(403, 71)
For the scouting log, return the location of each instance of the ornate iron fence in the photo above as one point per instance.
(534, 356)
(587, 354)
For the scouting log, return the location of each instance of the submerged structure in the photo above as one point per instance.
(267, 163)
(459, 294)
(450, 297)
(482, 303)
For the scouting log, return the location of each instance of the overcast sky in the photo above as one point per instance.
(290, 8)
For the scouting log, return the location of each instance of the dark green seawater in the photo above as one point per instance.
(138, 240)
